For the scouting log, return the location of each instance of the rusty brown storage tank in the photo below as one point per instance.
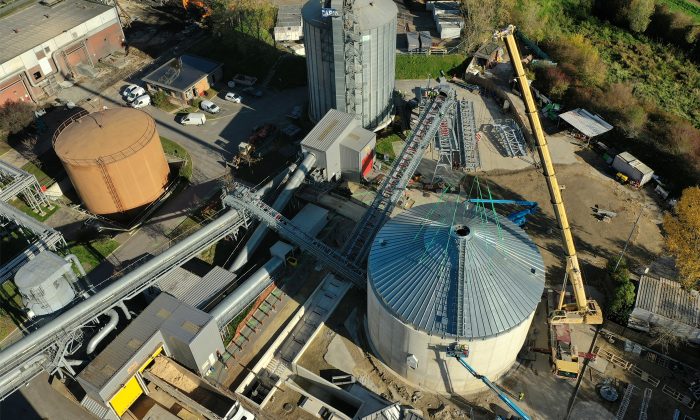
(113, 158)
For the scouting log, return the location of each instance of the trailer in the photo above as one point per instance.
(637, 172)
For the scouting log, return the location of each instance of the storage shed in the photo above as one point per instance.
(663, 303)
(635, 169)
(186, 77)
(288, 26)
(586, 123)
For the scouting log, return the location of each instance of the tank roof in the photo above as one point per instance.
(370, 13)
(453, 270)
(111, 134)
(44, 268)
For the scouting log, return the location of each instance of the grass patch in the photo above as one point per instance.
(174, 149)
(683, 6)
(385, 145)
(24, 208)
(6, 326)
(4, 147)
(10, 295)
(420, 66)
(233, 325)
(92, 253)
(40, 175)
(186, 227)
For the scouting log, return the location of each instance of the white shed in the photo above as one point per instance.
(634, 168)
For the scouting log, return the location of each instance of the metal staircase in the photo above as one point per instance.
(467, 130)
(353, 58)
(391, 190)
(625, 402)
(244, 199)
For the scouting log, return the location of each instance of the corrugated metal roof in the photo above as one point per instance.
(451, 270)
(192, 289)
(288, 15)
(590, 125)
(166, 313)
(25, 29)
(666, 298)
(331, 127)
(370, 14)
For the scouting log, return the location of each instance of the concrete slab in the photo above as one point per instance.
(339, 355)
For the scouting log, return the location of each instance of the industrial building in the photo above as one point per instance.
(442, 274)
(113, 379)
(351, 70)
(638, 173)
(47, 43)
(663, 303)
(288, 26)
(341, 146)
(185, 78)
(116, 172)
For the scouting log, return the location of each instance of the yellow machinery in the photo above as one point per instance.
(582, 311)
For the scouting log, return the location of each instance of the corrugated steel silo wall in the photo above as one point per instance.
(378, 71)
(319, 69)
(394, 341)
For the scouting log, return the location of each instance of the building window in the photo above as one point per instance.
(37, 75)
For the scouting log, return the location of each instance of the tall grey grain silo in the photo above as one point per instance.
(350, 58)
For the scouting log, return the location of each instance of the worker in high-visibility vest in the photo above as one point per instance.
(521, 396)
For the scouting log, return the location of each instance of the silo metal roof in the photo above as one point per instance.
(113, 133)
(370, 14)
(451, 269)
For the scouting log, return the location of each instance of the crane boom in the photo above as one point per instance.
(461, 355)
(583, 310)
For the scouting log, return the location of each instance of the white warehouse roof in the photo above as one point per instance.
(637, 164)
(590, 125)
(666, 298)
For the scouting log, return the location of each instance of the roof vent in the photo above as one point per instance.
(50, 3)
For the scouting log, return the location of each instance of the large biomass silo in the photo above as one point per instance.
(441, 274)
(114, 159)
(351, 67)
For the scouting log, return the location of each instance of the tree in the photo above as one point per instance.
(580, 59)
(620, 104)
(638, 14)
(15, 116)
(622, 302)
(481, 19)
(683, 236)
(553, 81)
(528, 16)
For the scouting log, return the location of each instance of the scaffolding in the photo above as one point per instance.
(467, 128)
(510, 136)
(17, 182)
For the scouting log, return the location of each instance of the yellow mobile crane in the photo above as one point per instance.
(582, 311)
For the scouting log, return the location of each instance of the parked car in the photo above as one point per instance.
(193, 118)
(253, 91)
(141, 101)
(209, 106)
(233, 97)
(127, 90)
(138, 91)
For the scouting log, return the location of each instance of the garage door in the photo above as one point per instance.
(124, 398)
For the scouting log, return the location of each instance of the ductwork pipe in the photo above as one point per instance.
(23, 372)
(124, 309)
(72, 258)
(280, 203)
(245, 293)
(77, 314)
(104, 331)
(276, 181)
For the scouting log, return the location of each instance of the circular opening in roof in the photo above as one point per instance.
(461, 231)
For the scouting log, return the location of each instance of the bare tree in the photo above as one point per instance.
(481, 19)
(666, 338)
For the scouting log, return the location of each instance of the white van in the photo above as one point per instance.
(194, 118)
(141, 101)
